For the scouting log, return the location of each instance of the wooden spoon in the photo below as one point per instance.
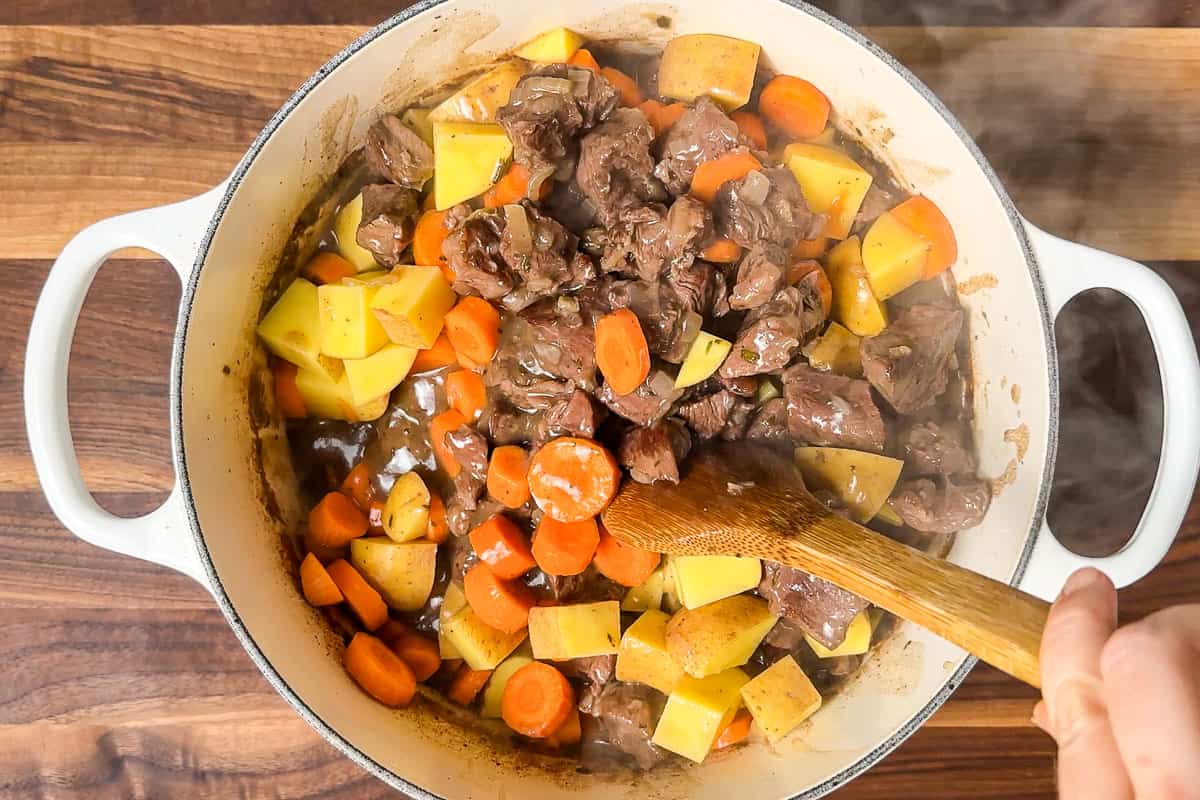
(747, 500)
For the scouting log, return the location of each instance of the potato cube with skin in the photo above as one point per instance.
(402, 573)
(480, 98)
(780, 698)
(854, 304)
(345, 228)
(418, 120)
(476, 642)
(468, 158)
(709, 64)
(696, 711)
(558, 633)
(862, 481)
(642, 656)
(325, 398)
(894, 256)
(718, 636)
(493, 693)
(379, 373)
(552, 47)
(857, 641)
(348, 328)
(453, 601)
(700, 580)
(411, 309)
(292, 328)
(832, 183)
(406, 512)
(836, 351)
(647, 595)
(704, 357)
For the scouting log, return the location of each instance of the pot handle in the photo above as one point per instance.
(1069, 269)
(163, 535)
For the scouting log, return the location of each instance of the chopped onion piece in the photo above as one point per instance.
(580, 80)
(547, 85)
(755, 187)
(568, 304)
(537, 179)
(517, 229)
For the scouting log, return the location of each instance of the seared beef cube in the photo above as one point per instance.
(932, 448)
(637, 245)
(708, 415)
(823, 610)
(469, 448)
(574, 416)
(595, 672)
(941, 505)
(769, 421)
(472, 251)
(828, 409)
(909, 361)
(616, 170)
(656, 453)
(587, 587)
(766, 207)
(704, 132)
(771, 334)
(506, 424)
(398, 154)
(563, 343)
(648, 403)
(761, 274)
(389, 221)
(629, 712)
(700, 287)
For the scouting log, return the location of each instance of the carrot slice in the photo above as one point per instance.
(501, 545)
(364, 601)
(440, 355)
(438, 531)
(467, 684)
(287, 394)
(565, 548)
(336, 520)
(466, 393)
(439, 426)
(428, 237)
(751, 126)
(794, 106)
(584, 58)
(801, 271)
(573, 479)
(810, 248)
(711, 175)
(419, 652)
(508, 475)
(327, 267)
(358, 485)
(380, 672)
(662, 117)
(922, 215)
(631, 95)
(319, 589)
(736, 731)
(537, 700)
(569, 733)
(503, 605)
(375, 516)
(473, 328)
(468, 363)
(621, 350)
(323, 552)
(513, 187)
(722, 251)
(623, 563)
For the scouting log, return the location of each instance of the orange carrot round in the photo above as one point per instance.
(810, 248)
(466, 685)
(736, 731)
(327, 267)
(802, 269)
(584, 58)
(631, 95)
(508, 475)
(921, 215)
(439, 426)
(466, 393)
(662, 117)
(565, 548)
(364, 601)
(711, 175)
(503, 605)
(438, 531)
(287, 393)
(621, 350)
(473, 328)
(336, 520)
(358, 485)
(573, 479)
(420, 653)
(501, 545)
(722, 251)
(751, 126)
(319, 589)
(794, 106)
(380, 672)
(440, 355)
(428, 237)
(623, 563)
(537, 700)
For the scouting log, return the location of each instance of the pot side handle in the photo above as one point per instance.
(163, 536)
(1069, 269)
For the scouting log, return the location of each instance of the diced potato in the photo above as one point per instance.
(648, 595)
(670, 598)
(894, 256)
(857, 641)
(767, 390)
(836, 351)
(780, 698)
(720, 635)
(479, 99)
(411, 309)
(708, 64)
(862, 481)
(642, 656)
(348, 328)
(418, 120)
(703, 579)
(403, 573)
(696, 711)
(832, 182)
(345, 228)
(406, 512)
(379, 373)
(453, 601)
(552, 47)
(493, 693)
(468, 158)
(376, 277)
(704, 357)
(477, 643)
(326, 398)
(558, 633)
(854, 304)
(292, 329)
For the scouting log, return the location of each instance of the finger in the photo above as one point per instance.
(1153, 696)
(1080, 622)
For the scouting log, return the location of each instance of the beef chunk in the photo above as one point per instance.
(470, 449)
(389, 220)
(709, 415)
(766, 206)
(823, 610)
(702, 133)
(595, 672)
(828, 409)
(700, 287)
(616, 170)
(769, 421)
(637, 245)
(771, 334)
(506, 424)
(646, 404)
(878, 200)
(689, 225)
(656, 453)
(629, 712)
(462, 521)
(562, 341)
(574, 416)
(909, 361)
(398, 154)
(587, 587)
(941, 505)
(931, 448)
(761, 274)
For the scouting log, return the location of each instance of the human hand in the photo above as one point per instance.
(1122, 704)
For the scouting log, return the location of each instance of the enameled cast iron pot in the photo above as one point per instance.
(223, 521)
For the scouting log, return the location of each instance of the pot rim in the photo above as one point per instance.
(343, 744)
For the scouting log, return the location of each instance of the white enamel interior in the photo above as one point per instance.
(1006, 320)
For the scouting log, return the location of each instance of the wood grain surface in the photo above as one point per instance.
(121, 679)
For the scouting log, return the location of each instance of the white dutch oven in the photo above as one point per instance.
(222, 523)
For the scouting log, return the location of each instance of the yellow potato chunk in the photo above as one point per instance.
(493, 693)
(894, 256)
(345, 228)
(832, 182)
(780, 698)
(642, 656)
(836, 351)
(348, 328)
(646, 596)
(862, 481)
(326, 398)
(552, 47)
(700, 580)
(292, 329)
(406, 512)
(418, 120)
(412, 307)
(720, 635)
(857, 641)
(558, 633)
(379, 373)
(477, 643)
(708, 64)
(670, 600)
(704, 357)
(453, 601)
(696, 711)
(403, 573)
(479, 99)
(468, 158)
(854, 304)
